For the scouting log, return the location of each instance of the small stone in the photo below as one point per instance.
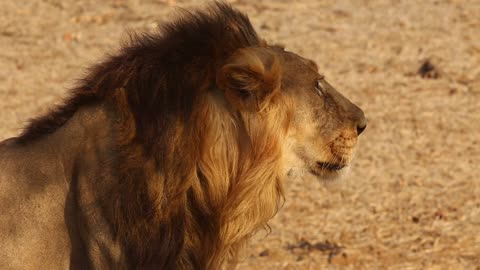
(264, 253)
(428, 70)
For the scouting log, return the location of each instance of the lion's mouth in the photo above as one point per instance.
(330, 166)
(326, 167)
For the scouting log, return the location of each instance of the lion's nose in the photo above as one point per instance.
(360, 121)
(361, 127)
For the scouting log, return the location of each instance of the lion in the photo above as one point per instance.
(171, 153)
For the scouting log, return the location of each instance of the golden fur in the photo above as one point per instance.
(187, 134)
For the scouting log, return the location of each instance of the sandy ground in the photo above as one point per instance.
(412, 198)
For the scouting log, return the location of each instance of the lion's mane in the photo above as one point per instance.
(195, 178)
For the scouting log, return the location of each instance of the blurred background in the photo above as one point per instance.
(412, 197)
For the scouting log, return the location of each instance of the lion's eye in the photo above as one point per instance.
(320, 89)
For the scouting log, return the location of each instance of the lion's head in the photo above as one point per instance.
(320, 125)
(279, 106)
(325, 125)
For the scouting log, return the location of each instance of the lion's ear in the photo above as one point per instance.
(250, 78)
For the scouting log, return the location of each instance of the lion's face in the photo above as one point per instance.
(288, 97)
(324, 125)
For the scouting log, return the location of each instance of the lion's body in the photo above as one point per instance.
(170, 154)
(38, 184)
(32, 215)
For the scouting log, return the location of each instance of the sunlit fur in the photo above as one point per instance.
(199, 117)
(197, 169)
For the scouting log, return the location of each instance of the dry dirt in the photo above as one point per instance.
(412, 198)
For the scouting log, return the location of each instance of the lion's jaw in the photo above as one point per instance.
(333, 159)
(328, 161)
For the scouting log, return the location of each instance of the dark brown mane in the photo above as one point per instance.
(156, 69)
(171, 153)
(176, 203)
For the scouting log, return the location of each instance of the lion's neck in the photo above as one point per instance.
(82, 142)
(232, 190)
(238, 175)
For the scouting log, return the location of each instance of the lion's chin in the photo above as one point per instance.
(322, 175)
(303, 166)
(329, 172)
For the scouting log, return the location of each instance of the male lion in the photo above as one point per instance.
(171, 153)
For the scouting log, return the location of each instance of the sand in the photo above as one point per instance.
(412, 197)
